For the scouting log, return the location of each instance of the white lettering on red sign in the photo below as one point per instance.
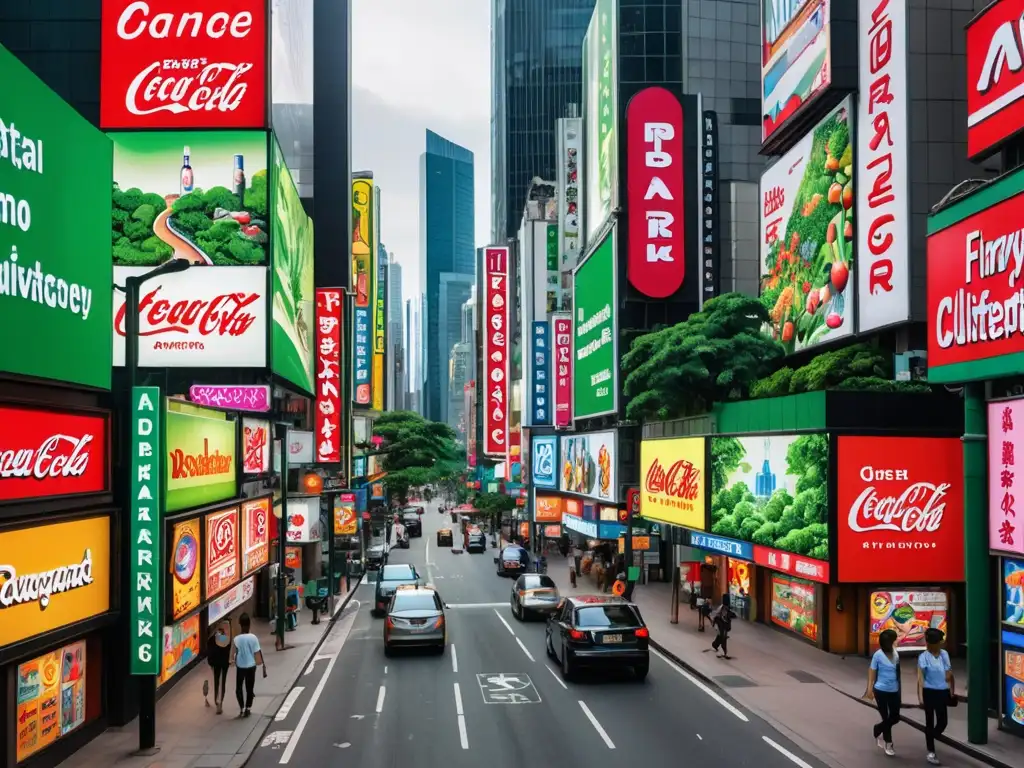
(995, 76)
(56, 456)
(496, 352)
(328, 376)
(917, 509)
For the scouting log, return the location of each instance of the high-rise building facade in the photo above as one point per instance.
(394, 365)
(446, 260)
(536, 74)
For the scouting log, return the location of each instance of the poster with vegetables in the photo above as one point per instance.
(909, 614)
(194, 195)
(793, 606)
(807, 236)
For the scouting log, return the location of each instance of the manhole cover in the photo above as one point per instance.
(803, 677)
(735, 681)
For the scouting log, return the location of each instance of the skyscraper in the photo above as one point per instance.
(536, 73)
(447, 261)
(395, 361)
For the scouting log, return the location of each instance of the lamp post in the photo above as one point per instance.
(131, 289)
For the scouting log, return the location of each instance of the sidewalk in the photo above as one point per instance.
(189, 734)
(812, 696)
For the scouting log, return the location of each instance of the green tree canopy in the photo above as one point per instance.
(493, 503)
(713, 356)
(416, 452)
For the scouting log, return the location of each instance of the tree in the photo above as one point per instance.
(416, 452)
(493, 503)
(713, 356)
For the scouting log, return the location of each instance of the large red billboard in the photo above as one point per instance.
(995, 76)
(328, 375)
(656, 264)
(900, 510)
(176, 64)
(495, 386)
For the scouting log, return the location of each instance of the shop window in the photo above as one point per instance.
(794, 606)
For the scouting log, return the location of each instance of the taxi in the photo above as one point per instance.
(445, 538)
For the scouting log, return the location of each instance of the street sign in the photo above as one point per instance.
(507, 688)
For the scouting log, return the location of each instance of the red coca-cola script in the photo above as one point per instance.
(901, 509)
(680, 481)
(52, 453)
(223, 315)
(183, 64)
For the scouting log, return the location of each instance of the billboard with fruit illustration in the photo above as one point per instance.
(195, 195)
(807, 221)
(588, 465)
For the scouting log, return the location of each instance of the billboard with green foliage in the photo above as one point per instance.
(772, 490)
(292, 267)
(196, 195)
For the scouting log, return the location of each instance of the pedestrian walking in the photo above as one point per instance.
(722, 621)
(936, 689)
(572, 571)
(218, 655)
(247, 655)
(577, 557)
(884, 688)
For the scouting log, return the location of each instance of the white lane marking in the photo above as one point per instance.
(528, 654)
(478, 605)
(426, 559)
(455, 660)
(344, 628)
(380, 699)
(458, 701)
(597, 726)
(787, 753)
(699, 737)
(557, 677)
(385, 670)
(507, 626)
(702, 687)
(289, 702)
(461, 716)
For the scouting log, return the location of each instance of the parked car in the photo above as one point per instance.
(513, 560)
(402, 537)
(413, 524)
(391, 578)
(444, 537)
(415, 617)
(376, 557)
(477, 542)
(534, 594)
(598, 632)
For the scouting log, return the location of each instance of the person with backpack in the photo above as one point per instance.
(721, 620)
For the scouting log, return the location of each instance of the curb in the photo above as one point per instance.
(703, 677)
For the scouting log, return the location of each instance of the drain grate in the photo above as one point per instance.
(735, 681)
(803, 677)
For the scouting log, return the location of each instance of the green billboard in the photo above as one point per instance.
(595, 373)
(601, 117)
(201, 456)
(291, 246)
(55, 270)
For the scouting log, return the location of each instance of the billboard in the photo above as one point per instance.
(221, 551)
(562, 365)
(796, 62)
(589, 465)
(807, 219)
(362, 282)
(54, 275)
(570, 154)
(241, 397)
(544, 462)
(255, 446)
(292, 267)
(655, 163)
(673, 479)
(194, 195)
(200, 457)
(380, 282)
(1005, 484)
(186, 568)
(540, 387)
(595, 370)
(497, 332)
(601, 116)
(709, 207)
(328, 411)
(883, 166)
(172, 64)
(995, 77)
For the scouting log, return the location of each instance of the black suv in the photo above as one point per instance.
(413, 524)
(598, 632)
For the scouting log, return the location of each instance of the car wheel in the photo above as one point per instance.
(550, 647)
(641, 671)
(568, 669)
(387, 651)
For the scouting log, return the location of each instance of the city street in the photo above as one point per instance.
(353, 706)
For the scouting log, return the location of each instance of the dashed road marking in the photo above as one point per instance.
(507, 625)
(714, 695)
(557, 677)
(786, 753)
(380, 699)
(597, 726)
(289, 702)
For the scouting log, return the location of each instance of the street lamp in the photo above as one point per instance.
(147, 683)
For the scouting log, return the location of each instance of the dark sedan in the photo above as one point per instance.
(598, 632)
(412, 524)
(391, 578)
(477, 542)
(513, 560)
(376, 557)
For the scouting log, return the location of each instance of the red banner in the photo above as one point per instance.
(795, 565)
(496, 352)
(995, 87)
(901, 509)
(563, 369)
(176, 64)
(51, 453)
(328, 375)
(656, 264)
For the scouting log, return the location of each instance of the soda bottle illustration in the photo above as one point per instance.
(188, 181)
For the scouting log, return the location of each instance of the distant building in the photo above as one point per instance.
(395, 361)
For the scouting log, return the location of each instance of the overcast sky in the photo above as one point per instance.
(419, 65)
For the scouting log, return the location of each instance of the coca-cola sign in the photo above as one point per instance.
(901, 509)
(51, 453)
(673, 481)
(170, 64)
(995, 76)
(206, 317)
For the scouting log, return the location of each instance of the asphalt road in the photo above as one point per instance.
(353, 706)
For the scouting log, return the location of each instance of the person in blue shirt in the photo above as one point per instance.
(936, 688)
(247, 655)
(884, 688)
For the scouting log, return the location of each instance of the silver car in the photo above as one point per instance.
(415, 619)
(533, 593)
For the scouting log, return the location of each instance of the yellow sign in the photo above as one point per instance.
(345, 522)
(362, 240)
(379, 313)
(52, 576)
(673, 481)
(640, 544)
(186, 573)
(51, 698)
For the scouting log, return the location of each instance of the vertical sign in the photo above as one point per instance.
(882, 158)
(328, 375)
(562, 325)
(709, 202)
(541, 387)
(362, 281)
(570, 142)
(380, 292)
(146, 635)
(496, 351)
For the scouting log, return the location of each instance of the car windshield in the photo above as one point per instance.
(535, 581)
(411, 516)
(412, 602)
(606, 616)
(397, 573)
(476, 535)
(512, 553)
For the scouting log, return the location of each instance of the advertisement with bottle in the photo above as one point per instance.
(807, 230)
(191, 64)
(292, 267)
(50, 697)
(601, 111)
(200, 449)
(54, 276)
(794, 606)
(186, 573)
(193, 195)
(589, 465)
(180, 647)
(909, 613)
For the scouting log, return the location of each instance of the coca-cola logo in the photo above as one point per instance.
(216, 87)
(918, 508)
(681, 481)
(222, 538)
(222, 315)
(57, 456)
